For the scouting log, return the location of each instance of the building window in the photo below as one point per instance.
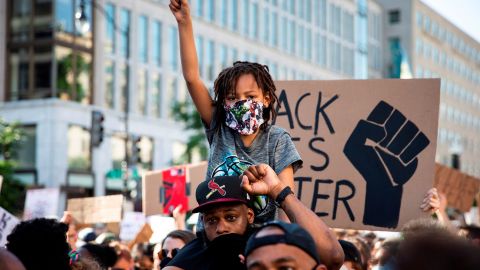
(266, 25)
(210, 60)
(224, 13)
(124, 86)
(157, 43)
(234, 15)
(394, 16)
(25, 156)
(246, 18)
(211, 10)
(199, 46)
(170, 94)
(173, 52)
(19, 73)
(73, 75)
(109, 84)
(125, 36)
(78, 148)
(156, 100)
(143, 39)
(141, 91)
(223, 56)
(199, 8)
(110, 28)
(254, 25)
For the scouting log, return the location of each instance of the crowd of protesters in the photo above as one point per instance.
(230, 241)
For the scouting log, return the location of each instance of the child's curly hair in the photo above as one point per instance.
(226, 83)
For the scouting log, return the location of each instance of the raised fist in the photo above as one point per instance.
(384, 150)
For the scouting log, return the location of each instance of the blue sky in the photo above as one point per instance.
(462, 13)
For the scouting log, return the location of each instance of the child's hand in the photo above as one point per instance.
(431, 201)
(180, 10)
(261, 180)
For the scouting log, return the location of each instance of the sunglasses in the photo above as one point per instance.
(164, 253)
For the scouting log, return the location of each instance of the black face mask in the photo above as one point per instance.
(223, 251)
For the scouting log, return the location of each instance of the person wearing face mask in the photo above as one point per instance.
(237, 118)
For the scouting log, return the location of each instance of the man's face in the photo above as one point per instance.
(231, 218)
(279, 256)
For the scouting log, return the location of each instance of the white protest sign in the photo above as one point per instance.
(131, 224)
(41, 203)
(161, 226)
(7, 223)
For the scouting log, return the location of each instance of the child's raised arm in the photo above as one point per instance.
(188, 54)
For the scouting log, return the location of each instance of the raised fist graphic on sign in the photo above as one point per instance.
(384, 150)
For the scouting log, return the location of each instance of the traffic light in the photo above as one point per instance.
(136, 150)
(97, 129)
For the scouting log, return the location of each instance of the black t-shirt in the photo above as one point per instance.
(221, 253)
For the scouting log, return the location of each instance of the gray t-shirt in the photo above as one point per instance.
(228, 156)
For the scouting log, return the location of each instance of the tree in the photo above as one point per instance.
(185, 113)
(13, 192)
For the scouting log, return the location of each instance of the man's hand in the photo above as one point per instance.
(261, 179)
(180, 10)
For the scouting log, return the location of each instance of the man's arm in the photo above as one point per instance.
(261, 180)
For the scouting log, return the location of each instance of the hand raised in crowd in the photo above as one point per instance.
(261, 179)
(431, 202)
(179, 217)
(67, 218)
(180, 10)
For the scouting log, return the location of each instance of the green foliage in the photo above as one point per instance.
(13, 192)
(65, 70)
(185, 113)
(10, 138)
(12, 195)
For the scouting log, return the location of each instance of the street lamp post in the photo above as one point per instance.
(83, 25)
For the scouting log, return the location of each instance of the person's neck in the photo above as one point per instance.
(247, 140)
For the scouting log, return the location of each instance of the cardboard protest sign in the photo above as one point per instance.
(165, 189)
(7, 223)
(195, 175)
(105, 209)
(459, 188)
(142, 236)
(131, 224)
(368, 147)
(41, 203)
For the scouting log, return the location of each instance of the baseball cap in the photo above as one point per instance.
(294, 235)
(220, 189)
(351, 252)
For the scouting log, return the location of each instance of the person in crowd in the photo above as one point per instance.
(384, 257)
(143, 256)
(353, 258)
(237, 119)
(227, 216)
(435, 247)
(40, 244)
(472, 233)
(104, 255)
(364, 249)
(72, 234)
(124, 257)
(169, 247)
(9, 261)
(279, 245)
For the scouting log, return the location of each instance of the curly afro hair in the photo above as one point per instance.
(40, 244)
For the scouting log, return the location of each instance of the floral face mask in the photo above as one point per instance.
(244, 116)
